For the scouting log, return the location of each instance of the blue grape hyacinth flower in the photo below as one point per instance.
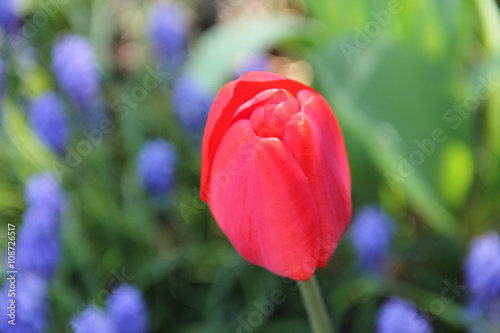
(482, 279)
(44, 190)
(31, 304)
(76, 70)
(92, 320)
(49, 122)
(40, 231)
(371, 234)
(191, 103)
(482, 268)
(127, 310)
(401, 316)
(168, 33)
(9, 16)
(156, 166)
(39, 234)
(37, 254)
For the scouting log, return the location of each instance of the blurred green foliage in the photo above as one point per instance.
(391, 79)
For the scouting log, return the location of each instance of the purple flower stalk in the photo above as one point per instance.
(75, 68)
(127, 310)
(39, 234)
(168, 33)
(125, 313)
(37, 255)
(482, 278)
(9, 16)
(40, 231)
(482, 268)
(92, 320)
(43, 190)
(401, 316)
(371, 234)
(156, 166)
(31, 304)
(49, 122)
(191, 104)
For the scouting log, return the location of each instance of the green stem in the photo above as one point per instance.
(316, 310)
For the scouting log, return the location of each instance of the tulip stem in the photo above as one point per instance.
(315, 307)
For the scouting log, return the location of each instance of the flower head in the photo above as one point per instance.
(482, 278)
(92, 320)
(275, 173)
(156, 166)
(9, 16)
(40, 231)
(168, 32)
(191, 104)
(43, 190)
(31, 304)
(75, 68)
(39, 234)
(127, 310)
(49, 122)
(482, 268)
(371, 234)
(401, 316)
(38, 251)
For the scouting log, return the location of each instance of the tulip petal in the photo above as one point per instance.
(226, 103)
(261, 199)
(315, 140)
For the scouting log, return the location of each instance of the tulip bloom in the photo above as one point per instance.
(275, 173)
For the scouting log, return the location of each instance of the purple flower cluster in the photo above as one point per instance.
(168, 32)
(371, 234)
(43, 190)
(401, 316)
(76, 70)
(9, 17)
(156, 166)
(191, 104)
(49, 122)
(37, 254)
(92, 320)
(127, 310)
(482, 278)
(125, 313)
(31, 304)
(40, 232)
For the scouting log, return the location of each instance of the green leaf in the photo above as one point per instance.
(387, 98)
(457, 173)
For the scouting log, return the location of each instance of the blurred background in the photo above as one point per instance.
(102, 113)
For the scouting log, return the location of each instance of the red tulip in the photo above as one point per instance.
(275, 173)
